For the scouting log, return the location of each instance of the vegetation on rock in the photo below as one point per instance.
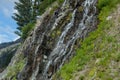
(27, 10)
(98, 56)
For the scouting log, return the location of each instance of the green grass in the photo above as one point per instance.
(97, 46)
(16, 68)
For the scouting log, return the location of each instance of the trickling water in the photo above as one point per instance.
(64, 4)
(60, 51)
(45, 60)
(81, 28)
(60, 47)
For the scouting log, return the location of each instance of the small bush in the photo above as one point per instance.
(26, 30)
(44, 5)
(103, 3)
(47, 3)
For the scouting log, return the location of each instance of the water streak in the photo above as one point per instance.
(61, 49)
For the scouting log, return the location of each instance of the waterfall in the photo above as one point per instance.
(48, 53)
(61, 49)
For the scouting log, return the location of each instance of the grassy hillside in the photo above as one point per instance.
(99, 55)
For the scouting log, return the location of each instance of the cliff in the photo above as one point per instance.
(67, 26)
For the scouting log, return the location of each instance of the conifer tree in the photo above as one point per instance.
(27, 10)
(25, 13)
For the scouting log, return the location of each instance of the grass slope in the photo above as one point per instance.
(99, 55)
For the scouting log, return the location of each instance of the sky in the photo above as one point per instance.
(7, 24)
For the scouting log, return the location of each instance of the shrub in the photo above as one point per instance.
(16, 68)
(44, 5)
(26, 30)
(47, 3)
(103, 3)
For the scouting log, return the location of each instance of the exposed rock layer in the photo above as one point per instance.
(55, 38)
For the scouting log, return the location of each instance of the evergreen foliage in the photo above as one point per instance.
(24, 15)
(27, 10)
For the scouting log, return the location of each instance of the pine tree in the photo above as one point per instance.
(25, 13)
(27, 10)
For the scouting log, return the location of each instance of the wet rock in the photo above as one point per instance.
(53, 41)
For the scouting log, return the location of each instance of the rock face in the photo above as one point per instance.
(55, 37)
(54, 40)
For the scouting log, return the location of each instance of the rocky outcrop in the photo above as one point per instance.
(55, 37)
(54, 40)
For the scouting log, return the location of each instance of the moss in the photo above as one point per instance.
(60, 1)
(92, 72)
(80, 9)
(57, 31)
(69, 16)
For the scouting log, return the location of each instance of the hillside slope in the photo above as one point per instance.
(6, 44)
(99, 55)
(7, 53)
